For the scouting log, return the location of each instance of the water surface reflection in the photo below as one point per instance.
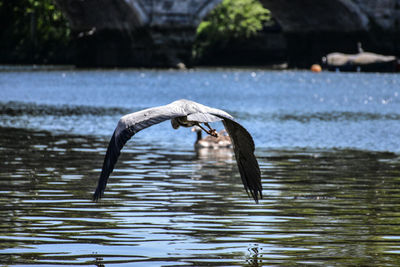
(171, 206)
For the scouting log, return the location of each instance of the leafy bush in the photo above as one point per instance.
(33, 31)
(232, 19)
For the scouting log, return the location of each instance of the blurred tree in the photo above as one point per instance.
(32, 31)
(231, 20)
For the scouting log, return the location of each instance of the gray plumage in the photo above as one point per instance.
(185, 113)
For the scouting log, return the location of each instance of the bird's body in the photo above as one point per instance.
(185, 113)
(221, 141)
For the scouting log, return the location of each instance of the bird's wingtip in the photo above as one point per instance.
(254, 193)
(257, 195)
(97, 195)
(95, 198)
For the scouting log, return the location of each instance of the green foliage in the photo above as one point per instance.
(32, 31)
(232, 19)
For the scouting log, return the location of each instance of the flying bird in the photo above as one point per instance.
(185, 113)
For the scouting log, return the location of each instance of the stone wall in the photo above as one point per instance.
(131, 14)
(383, 13)
(134, 32)
(313, 28)
(160, 33)
(335, 15)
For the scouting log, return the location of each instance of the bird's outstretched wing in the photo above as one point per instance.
(132, 123)
(127, 127)
(243, 146)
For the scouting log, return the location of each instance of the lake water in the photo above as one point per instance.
(328, 146)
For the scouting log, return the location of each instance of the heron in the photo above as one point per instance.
(221, 141)
(185, 113)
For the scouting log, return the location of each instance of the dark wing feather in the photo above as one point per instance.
(128, 126)
(243, 146)
(132, 123)
(113, 151)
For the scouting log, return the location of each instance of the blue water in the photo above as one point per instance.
(328, 147)
(281, 109)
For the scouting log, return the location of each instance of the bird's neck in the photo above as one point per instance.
(198, 136)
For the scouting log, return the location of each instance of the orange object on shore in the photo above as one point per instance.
(316, 68)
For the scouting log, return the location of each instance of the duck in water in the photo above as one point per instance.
(222, 140)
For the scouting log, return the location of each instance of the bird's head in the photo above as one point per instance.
(196, 129)
(175, 124)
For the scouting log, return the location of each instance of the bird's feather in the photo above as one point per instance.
(243, 146)
(128, 126)
(203, 117)
(132, 123)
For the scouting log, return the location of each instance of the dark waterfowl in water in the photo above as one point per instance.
(221, 141)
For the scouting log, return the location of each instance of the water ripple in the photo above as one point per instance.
(172, 207)
(331, 196)
(331, 116)
(14, 108)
